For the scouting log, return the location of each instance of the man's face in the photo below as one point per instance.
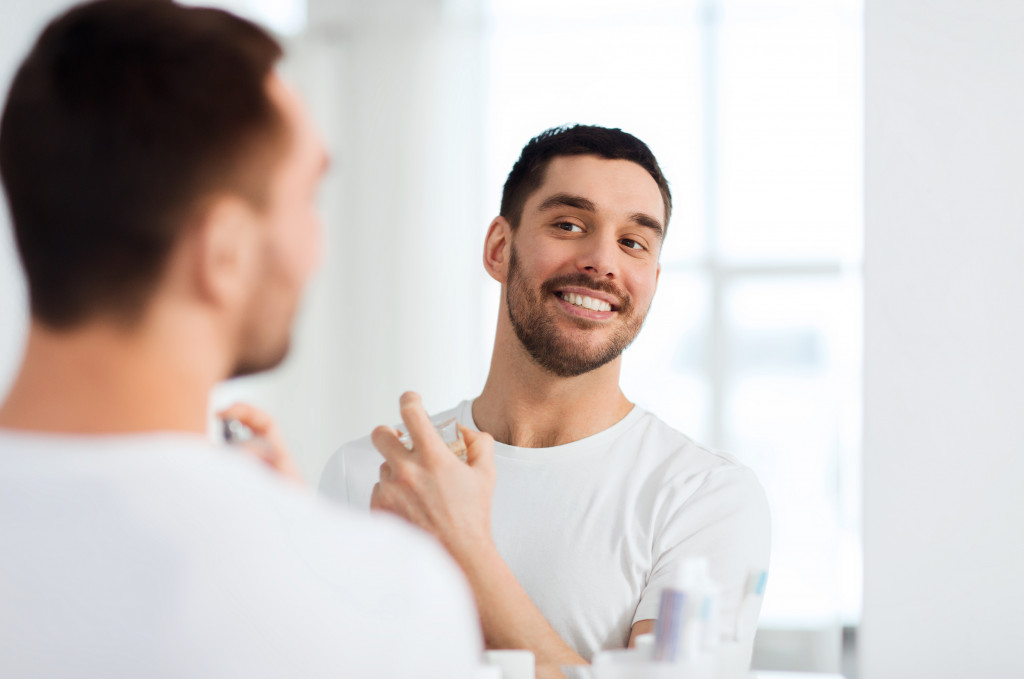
(583, 265)
(291, 236)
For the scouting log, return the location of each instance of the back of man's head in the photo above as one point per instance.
(124, 117)
(527, 174)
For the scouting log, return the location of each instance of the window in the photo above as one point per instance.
(753, 342)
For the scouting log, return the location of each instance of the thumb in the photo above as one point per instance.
(479, 449)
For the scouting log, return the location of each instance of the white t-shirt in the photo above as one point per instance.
(594, 529)
(162, 555)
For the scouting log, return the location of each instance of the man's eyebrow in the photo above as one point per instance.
(581, 203)
(567, 200)
(649, 222)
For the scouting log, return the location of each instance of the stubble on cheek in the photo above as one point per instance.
(536, 324)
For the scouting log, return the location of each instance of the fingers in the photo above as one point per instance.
(385, 440)
(388, 498)
(426, 442)
(267, 445)
(479, 449)
(428, 486)
(257, 420)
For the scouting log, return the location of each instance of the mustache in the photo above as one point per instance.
(582, 280)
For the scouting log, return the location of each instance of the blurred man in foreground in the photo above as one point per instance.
(161, 181)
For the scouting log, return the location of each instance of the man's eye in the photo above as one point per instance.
(569, 226)
(632, 244)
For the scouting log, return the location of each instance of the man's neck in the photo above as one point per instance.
(524, 405)
(102, 379)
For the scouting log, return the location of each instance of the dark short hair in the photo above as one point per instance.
(527, 174)
(122, 119)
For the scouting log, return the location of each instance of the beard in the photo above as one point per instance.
(536, 325)
(252, 361)
(266, 331)
(264, 344)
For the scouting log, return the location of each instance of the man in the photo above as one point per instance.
(161, 181)
(595, 501)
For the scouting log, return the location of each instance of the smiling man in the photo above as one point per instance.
(588, 505)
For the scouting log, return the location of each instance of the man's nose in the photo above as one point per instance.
(598, 257)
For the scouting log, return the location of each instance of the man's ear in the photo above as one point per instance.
(498, 249)
(225, 249)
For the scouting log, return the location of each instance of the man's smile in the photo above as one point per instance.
(586, 303)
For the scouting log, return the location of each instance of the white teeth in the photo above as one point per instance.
(586, 302)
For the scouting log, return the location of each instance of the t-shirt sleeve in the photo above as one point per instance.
(382, 582)
(332, 480)
(725, 520)
(439, 623)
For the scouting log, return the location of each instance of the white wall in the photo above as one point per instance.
(944, 382)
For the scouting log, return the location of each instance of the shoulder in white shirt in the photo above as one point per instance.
(161, 555)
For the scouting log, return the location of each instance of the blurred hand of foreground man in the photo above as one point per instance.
(267, 446)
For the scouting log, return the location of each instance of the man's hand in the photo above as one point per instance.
(267, 446)
(431, 488)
